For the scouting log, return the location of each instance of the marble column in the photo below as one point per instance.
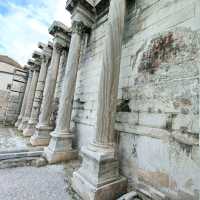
(98, 178)
(57, 93)
(61, 73)
(60, 147)
(23, 107)
(45, 57)
(43, 128)
(31, 95)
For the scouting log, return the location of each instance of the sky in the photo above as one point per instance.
(24, 23)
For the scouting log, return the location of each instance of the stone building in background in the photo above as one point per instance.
(128, 98)
(12, 86)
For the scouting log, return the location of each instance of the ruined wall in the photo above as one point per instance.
(16, 94)
(11, 92)
(158, 99)
(6, 78)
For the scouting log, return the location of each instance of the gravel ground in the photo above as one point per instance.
(29, 183)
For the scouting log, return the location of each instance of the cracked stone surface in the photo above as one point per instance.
(30, 183)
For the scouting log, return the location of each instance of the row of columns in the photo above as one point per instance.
(98, 177)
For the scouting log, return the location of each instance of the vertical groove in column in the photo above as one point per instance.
(109, 80)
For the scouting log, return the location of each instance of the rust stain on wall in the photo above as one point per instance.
(159, 179)
(162, 49)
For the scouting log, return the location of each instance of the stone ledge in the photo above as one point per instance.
(21, 162)
(13, 155)
(143, 130)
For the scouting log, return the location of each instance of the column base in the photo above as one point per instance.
(23, 124)
(110, 191)
(60, 148)
(17, 123)
(41, 137)
(38, 141)
(98, 178)
(29, 130)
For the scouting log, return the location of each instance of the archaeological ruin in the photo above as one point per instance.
(119, 91)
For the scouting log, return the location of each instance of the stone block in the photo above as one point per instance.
(155, 120)
(87, 191)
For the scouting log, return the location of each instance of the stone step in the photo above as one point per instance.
(21, 150)
(14, 155)
(146, 192)
(21, 162)
(22, 157)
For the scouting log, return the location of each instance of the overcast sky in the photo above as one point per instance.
(23, 23)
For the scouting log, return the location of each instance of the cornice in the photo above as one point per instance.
(41, 45)
(72, 4)
(58, 27)
(61, 33)
(36, 55)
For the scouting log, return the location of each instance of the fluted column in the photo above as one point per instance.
(57, 93)
(23, 107)
(38, 96)
(60, 147)
(43, 128)
(61, 73)
(98, 178)
(30, 99)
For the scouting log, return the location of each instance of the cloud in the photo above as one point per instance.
(25, 22)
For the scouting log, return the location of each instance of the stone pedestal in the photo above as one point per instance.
(60, 148)
(43, 128)
(41, 136)
(19, 120)
(30, 128)
(98, 178)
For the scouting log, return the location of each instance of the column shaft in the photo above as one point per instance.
(107, 96)
(30, 74)
(57, 94)
(37, 99)
(68, 87)
(61, 73)
(43, 128)
(50, 88)
(30, 99)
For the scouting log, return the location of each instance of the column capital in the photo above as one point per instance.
(61, 34)
(58, 45)
(46, 51)
(79, 27)
(36, 55)
(30, 63)
(82, 11)
(30, 70)
(34, 64)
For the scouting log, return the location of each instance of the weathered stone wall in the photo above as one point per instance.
(6, 78)
(16, 94)
(158, 108)
(11, 93)
(3, 104)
